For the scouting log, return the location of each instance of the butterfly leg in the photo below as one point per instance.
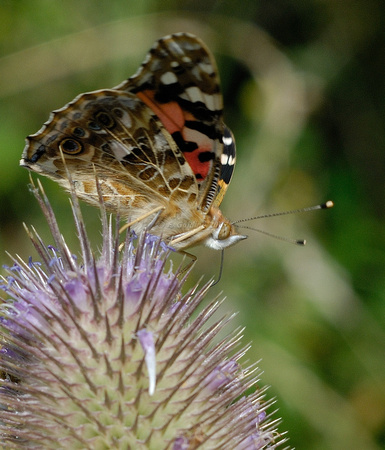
(184, 236)
(156, 211)
(190, 265)
(194, 259)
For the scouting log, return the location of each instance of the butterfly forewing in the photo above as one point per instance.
(180, 83)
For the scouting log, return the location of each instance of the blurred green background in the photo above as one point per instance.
(304, 93)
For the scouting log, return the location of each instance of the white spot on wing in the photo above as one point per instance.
(208, 68)
(227, 140)
(194, 93)
(227, 160)
(126, 120)
(119, 150)
(210, 102)
(168, 78)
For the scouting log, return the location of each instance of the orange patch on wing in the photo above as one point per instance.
(173, 119)
(170, 114)
(197, 166)
(205, 144)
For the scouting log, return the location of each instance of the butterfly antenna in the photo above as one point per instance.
(276, 236)
(326, 205)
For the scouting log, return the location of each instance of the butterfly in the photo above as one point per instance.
(157, 143)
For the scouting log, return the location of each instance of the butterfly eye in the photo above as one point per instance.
(70, 146)
(105, 119)
(224, 231)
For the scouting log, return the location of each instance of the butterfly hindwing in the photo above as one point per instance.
(114, 134)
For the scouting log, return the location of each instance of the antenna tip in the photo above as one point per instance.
(327, 205)
(301, 242)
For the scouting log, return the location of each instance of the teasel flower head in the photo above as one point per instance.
(103, 352)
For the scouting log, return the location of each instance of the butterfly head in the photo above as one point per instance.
(223, 234)
(213, 231)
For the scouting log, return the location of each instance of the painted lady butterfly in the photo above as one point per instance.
(157, 143)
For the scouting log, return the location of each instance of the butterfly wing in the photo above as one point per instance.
(156, 139)
(228, 159)
(179, 82)
(113, 134)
